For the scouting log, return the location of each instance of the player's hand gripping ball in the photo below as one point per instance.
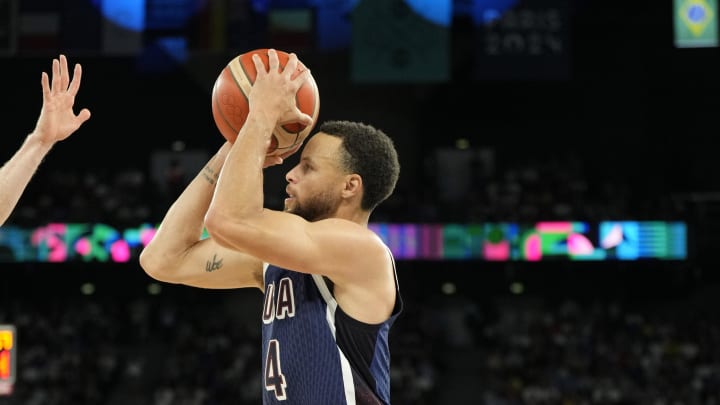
(230, 102)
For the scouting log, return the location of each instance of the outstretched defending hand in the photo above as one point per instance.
(57, 119)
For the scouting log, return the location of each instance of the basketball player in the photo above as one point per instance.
(329, 283)
(57, 121)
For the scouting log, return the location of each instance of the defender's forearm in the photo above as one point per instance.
(16, 173)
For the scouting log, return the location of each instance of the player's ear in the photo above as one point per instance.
(353, 185)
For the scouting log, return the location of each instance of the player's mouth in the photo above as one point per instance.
(290, 195)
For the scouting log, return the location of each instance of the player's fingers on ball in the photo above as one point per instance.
(292, 64)
(302, 77)
(259, 65)
(273, 60)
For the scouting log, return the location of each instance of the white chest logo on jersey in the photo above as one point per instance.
(279, 301)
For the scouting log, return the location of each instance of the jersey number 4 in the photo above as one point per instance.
(274, 378)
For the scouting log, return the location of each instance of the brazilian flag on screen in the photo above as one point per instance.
(695, 23)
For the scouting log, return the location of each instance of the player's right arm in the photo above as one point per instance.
(178, 254)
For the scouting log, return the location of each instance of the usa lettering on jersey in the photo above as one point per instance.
(279, 301)
(279, 304)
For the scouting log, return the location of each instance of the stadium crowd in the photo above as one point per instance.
(200, 348)
(196, 347)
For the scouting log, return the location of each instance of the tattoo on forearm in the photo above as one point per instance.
(210, 175)
(214, 264)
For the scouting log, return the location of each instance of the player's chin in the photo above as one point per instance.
(289, 205)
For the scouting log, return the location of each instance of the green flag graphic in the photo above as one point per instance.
(695, 23)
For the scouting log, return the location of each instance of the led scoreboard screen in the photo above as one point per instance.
(8, 357)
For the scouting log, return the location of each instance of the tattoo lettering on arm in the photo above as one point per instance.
(213, 264)
(210, 175)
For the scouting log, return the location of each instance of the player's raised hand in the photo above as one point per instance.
(57, 119)
(275, 88)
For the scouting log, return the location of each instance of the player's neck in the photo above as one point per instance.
(353, 214)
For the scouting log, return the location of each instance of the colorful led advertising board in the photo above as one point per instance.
(541, 241)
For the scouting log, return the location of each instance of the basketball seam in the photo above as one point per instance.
(221, 111)
(241, 84)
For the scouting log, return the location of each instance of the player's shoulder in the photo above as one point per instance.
(353, 232)
(334, 225)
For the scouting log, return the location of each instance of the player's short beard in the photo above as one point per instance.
(317, 207)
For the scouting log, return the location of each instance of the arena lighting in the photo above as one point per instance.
(517, 288)
(8, 355)
(448, 288)
(564, 240)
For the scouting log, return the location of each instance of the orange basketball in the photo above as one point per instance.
(230, 102)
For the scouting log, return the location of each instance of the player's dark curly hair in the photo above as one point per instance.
(370, 153)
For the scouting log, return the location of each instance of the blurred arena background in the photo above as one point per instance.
(556, 220)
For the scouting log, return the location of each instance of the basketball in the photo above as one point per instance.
(230, 102)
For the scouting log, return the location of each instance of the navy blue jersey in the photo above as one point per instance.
(314, 353)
